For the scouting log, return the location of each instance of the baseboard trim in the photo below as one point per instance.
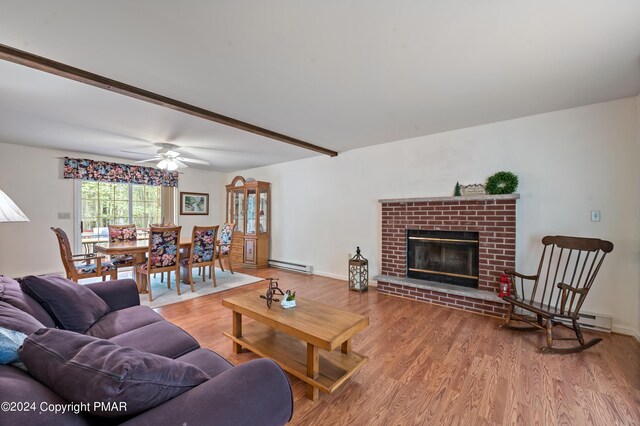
(340, 277)
(627, 332)
(330, 275)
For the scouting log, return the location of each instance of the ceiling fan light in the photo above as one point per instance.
(163, 164)
(172, 165)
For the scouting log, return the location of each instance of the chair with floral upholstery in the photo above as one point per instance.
(87, 269)
(162, 224)
(225, 243)
(120, 233)
(164, 249)
(201, 253)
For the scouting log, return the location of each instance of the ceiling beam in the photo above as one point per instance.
(62, 70)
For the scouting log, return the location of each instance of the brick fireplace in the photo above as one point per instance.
(491, 217)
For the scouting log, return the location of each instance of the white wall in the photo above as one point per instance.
(32, 177)
(193, 180)
(637, 183)
(569, 162)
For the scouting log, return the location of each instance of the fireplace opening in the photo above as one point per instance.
(449, 257)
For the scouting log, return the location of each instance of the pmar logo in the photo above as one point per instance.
(110, 406)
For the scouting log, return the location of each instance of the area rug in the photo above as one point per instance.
(164, 296)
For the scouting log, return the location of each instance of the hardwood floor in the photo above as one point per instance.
(434, 365)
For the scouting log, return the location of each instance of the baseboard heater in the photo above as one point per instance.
(307, 269)
(591, 321)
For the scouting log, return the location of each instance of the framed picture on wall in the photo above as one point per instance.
(194, 203)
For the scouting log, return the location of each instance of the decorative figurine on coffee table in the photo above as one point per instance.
(272, 291)
(358, 272)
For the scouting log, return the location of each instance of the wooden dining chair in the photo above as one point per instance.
(92, 264)
(162, 224)
(164, 248)
(120, 233)
(201, 253)
(225, 244)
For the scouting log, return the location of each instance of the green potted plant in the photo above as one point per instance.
(289, 300)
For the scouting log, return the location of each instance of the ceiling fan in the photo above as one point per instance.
(168, 158)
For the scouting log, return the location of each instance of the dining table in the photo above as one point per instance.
(137, 249)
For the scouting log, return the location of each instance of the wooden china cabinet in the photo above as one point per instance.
(249, 207)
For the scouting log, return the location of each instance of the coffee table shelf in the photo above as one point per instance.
(311, 341)
(291, 354)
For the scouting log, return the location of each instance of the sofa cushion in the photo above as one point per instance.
(86, 369)
(11, 293)
(123, 320)
(19, 387)
(160, 338)
(207, 361)
(15, 319)
(72, 306)
(118, 294)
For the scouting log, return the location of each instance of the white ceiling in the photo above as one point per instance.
(337, 74)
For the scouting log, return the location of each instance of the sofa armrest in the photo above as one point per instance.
(255, 393)
(118, 294)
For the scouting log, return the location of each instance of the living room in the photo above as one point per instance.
(413, 98)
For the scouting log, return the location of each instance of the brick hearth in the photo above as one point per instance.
(492, 216)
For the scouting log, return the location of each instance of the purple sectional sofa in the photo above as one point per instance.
(255, 393)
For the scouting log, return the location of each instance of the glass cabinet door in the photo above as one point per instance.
(251, 211)
(238, 210)
(263, 212)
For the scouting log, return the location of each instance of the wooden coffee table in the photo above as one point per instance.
(303, 340)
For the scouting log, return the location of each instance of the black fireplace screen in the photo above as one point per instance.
(449, 257)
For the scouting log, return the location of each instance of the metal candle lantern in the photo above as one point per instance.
(358, 272)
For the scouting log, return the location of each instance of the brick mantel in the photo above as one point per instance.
(492, 216)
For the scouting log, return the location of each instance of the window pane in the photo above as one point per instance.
(153, 212)
(121, 191)
(138, 193)
(106, 191)
(138, 209)
(153, 193)
(89, 208)
(121, 209)
(89, 224)
(121, 220)
(89, 190)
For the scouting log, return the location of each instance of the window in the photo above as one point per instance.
(146, 206)
(105, 204)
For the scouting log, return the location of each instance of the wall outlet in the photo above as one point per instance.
(595, 215)
(64, 215)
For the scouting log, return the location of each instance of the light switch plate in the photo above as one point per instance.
(64, 215)
(595, 215)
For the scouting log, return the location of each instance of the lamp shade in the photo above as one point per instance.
(9, 212)
(172, 165)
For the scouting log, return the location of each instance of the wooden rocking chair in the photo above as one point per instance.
(567, 269)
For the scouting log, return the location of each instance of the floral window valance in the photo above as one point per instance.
(103, 171)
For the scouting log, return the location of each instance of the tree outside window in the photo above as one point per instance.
(105, 204)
